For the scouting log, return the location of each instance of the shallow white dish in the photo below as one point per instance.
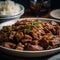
(27, 53)
(55, 13)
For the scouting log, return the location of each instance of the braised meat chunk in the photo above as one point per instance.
(33, 47)
(20, 46)
(9, 45)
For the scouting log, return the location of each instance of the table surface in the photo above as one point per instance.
(4, 56)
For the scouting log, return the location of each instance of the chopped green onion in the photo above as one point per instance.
(11, 30)
(27, 28)
(36, 23)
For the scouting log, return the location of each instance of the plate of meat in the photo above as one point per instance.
(30, 37)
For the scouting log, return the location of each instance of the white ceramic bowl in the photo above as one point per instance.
(27, 53)
(55, 13)
(13, 16)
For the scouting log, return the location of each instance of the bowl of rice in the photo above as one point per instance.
(10, 10)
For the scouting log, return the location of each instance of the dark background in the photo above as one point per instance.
(55, 4)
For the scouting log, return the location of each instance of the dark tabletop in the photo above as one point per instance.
(4, 56)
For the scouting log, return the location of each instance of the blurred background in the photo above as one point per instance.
(38, 8)
(33, 10)
(54, 3)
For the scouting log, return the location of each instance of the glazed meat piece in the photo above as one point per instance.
(35, 42)
(44, 42)
(9, 45)
(11, 35)
(20, 46)
(54, 23)
(33, 47)
(49, 47)
(18, 27)
(19, 23)
(46, 29)
(57, 30)
(3, 36)
(54, 31)
(34, 35)
(50, 35)
(55, 41)
(26, 40)
(49, 26)
(27, 36)
(19, 36)
(7, 28)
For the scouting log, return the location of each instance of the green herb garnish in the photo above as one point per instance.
(28, 28)
(36, 23)
(10, 30)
